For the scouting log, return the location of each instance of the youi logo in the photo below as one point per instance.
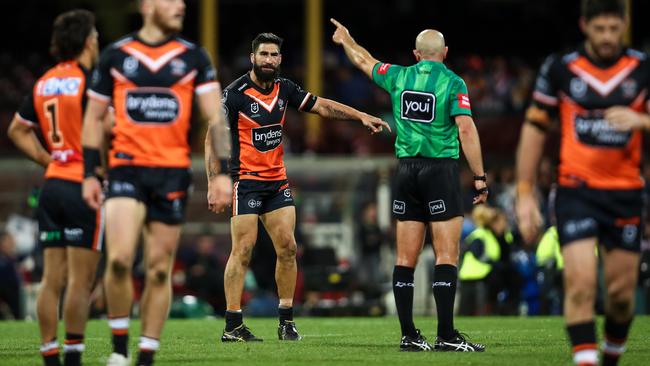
(417, 106)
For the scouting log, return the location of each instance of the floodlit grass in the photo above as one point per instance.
(333, 341)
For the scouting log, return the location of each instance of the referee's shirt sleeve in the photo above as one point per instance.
(383, 74)
(101, 84)
(459, 104)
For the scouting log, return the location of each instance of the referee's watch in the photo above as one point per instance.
(481, 177)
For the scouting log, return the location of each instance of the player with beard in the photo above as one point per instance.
(256, 106)
(151, 77)
(599, 92)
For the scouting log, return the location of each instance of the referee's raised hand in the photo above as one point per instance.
(341, 34)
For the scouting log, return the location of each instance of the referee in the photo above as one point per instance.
(434, 120)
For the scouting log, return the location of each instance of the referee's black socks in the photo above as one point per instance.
(445, 277)
(403, 286)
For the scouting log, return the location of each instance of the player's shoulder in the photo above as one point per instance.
(187, 43)
(639, 55)
(236, 89)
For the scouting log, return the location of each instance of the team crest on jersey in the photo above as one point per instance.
(629, 88)
(130, 65)
(255, 107)
(281, 104)
(578, 88)
(179, 67)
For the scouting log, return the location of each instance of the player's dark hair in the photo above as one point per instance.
(69, 34)
(594, 8)
(266, 38)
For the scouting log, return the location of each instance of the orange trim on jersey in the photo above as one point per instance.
(265, 100)
(603, 81)
(584, 347)
(154, 58)
(175, 195)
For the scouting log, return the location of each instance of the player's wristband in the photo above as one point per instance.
(481, 177)
(223, 166)
(481, 191)
(91, 161)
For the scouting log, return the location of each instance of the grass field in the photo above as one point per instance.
(333, 341)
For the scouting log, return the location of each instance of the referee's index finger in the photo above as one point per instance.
(336, 22)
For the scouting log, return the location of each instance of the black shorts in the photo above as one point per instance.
(615, 217)
(259, 197)
(163, 191)
(426, 190)
(64, 219)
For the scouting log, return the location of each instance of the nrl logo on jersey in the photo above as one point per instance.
(130, 65)
(255, 107)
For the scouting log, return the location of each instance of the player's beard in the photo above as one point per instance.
(606, 51)
(266, 76)
(168, 26)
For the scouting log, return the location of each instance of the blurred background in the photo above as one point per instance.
(340, 175)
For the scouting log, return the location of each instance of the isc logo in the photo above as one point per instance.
(418, 106)
(59, 86)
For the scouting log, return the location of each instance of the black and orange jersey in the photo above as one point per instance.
(152, 87)
(578, 90)
(256, 119)
(56, 105)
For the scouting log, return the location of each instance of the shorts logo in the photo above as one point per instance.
(253, 203)
(73, 234)
(437, 207)
(122, 187)
(417, 106)
(579, 227)
(255, 107)
(267, 138)
(49, 236)
(152, 105)
(399, 207)
(383, 69)
(629, 234)
(287, 193)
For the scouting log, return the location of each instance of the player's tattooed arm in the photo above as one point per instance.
(328, 108)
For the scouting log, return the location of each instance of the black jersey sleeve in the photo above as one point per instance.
(299, 98)
(206, 77)
(545, 93)
(27, 113)
(101, 83)
(230, 105)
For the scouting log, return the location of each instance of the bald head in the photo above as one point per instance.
(430, 44)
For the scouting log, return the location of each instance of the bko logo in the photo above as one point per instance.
(418, 106)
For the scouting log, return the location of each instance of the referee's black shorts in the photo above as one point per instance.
(426, 189)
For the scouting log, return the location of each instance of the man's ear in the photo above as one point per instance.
(252, 58)
(416, 53)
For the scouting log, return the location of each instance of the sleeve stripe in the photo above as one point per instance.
(101, 97)
(24, 120)
(545, 99)
(304, 101)
(206, 87)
